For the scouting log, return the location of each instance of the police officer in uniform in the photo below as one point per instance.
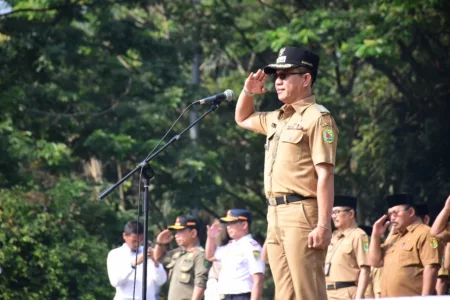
(410, 255)
(346, 265)
(241, 276)
(188, 268)
(300, 154)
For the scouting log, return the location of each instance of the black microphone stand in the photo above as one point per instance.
(147, 174)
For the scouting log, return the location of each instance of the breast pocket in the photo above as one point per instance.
(290, 148)
(407, 256)
(185, 271)
(348, 257)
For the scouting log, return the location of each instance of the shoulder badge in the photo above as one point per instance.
(328, 135)
(256, 254)
(433, 243)
(322, 109)
(365, 241)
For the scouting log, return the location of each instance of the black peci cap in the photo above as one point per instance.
(290, 57)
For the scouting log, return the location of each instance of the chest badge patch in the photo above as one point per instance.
(256, 254)
(328, 135)
(433, 243)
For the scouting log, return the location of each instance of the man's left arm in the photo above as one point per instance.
(430, 274)
(323, 137)
(201, 269)
(258, 284)
(429, 256)
(363, 281)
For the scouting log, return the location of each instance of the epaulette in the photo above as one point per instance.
(254, 243)
(322, 109)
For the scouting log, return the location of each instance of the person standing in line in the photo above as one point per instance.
(188, 268)
(410, 256)
(347, 267)
(441, 229)
(122, 266)
(241, 276)
(300, 154)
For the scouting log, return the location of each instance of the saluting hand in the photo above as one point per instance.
(164, 237)
(379, 227)
(447, 204)
(319, 238)
(255, 82)
(213, 230)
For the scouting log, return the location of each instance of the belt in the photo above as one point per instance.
(340, 285)
(286, 199)
(235, 295)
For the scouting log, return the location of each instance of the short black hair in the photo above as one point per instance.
(134, 227)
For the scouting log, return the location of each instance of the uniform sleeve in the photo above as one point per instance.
(428, 249)
(254, 257)
(167, 258)
(361, 248)
(119, 268)
(201, 268)
(218, 255)
(323, 137)
(261, 121)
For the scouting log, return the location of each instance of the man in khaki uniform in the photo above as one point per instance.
(346, 265)
(410, 255)
(188, 268)
(300, 154)
(441, 229)
(423, 213)
(373, 289)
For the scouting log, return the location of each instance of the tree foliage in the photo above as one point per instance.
(88, 88)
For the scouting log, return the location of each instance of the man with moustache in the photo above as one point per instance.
(347, 267)
(241, 276)
(300, 154)
(410, 255)
(188, 268)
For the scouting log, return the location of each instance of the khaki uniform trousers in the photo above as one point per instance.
(342, 294)
(297, 270)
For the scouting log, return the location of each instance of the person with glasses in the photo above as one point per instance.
(346, 266)
(188, 268)
(241, 276)
(300, 154)
(410, 256)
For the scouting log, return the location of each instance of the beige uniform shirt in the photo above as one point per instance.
(374, 286)
(186, 270)
(347, 252)
(405, 256)
(299, 136)
(443, 243)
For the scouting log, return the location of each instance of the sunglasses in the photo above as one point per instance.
(284, 75)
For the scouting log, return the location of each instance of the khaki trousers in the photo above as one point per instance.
(297, 270)
(342, 294)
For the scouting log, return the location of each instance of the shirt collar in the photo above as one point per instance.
(413, 226)
(303, 104)
(347, 231)
(244, 238)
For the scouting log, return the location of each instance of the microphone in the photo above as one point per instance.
(228, 95)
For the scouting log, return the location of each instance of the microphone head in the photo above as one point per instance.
(229, 95)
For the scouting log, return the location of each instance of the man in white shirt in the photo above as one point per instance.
(242, 274)
(122, 266)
